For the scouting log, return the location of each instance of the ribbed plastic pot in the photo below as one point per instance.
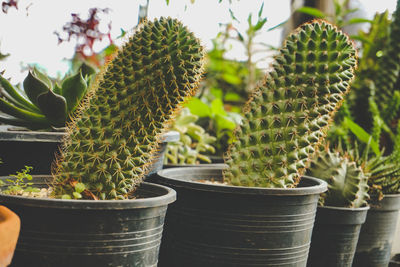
(377, 233)
(335, 235)
(220, 225)
(20, 148)
(65, 233)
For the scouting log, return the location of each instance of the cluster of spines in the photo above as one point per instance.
(347, 184)
(116, 133)
(289, 113)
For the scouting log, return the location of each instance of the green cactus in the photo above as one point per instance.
(347, 184)
(45, 105)
(114, 138)
(289, 113)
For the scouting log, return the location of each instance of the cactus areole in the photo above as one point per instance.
(116, 132)
(288, 115)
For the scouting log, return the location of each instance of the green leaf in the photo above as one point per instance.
(217, 107)
(34, 87)
(65, 196)
(80, 187)
(232, 97)
(224, 122)
(54, 107)
(73, 90)
(57, 89)
(261, 10)
(362, 135)
(86, 70)
(358, 20)
(232, 79)
(167, 1)
(260, 24)
(185, 120)
(198, 107)
(43, 77)
(277, 26)
(16, 97)
(76, 195)
(312, 12)
(233, 15)
(217, 92)
(21, 113)
(25, 123)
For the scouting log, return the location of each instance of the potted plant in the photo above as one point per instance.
(371, 117)
(377, 233)
(265, 214)
(43, 105)
(110, 145)
(43, 111)
(342, 209)
(9, 231)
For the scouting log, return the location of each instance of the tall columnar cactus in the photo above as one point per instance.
(347, 184)
(288, 115)
(114, 137)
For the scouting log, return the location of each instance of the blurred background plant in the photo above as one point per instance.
(194, 145)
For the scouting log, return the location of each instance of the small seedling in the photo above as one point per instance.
(20, 183)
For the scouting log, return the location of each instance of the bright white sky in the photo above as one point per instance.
(31, 39)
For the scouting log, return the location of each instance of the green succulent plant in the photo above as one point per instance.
(43, 105)
(383, 172)
(193, 142)
(347, 183)
(289, 114)
(116, 134)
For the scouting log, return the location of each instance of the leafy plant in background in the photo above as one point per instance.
(194, 145)
(215, 120)
(228, 82)
(43, 104)
(338, 18)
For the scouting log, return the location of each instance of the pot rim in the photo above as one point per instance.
(168, 197)
(168, 176)
(344, 208)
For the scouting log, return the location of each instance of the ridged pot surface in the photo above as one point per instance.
(57, 232)
(377, 234)
(335, 235)
(219, 225)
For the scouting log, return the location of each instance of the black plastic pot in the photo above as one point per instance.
(37, 149)
(335, 235)
(31, 148)
(206, 165)
(58, 233)
(377, 233)
(220, 225)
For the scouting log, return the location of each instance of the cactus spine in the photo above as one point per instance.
(347, 184)
(114, 137)
(289, 113)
